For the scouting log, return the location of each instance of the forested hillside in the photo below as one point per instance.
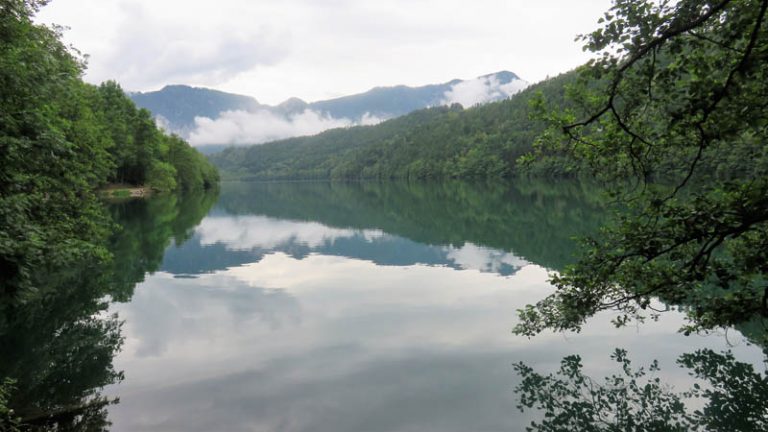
(60, 140)
(138, 151)
(440, 142)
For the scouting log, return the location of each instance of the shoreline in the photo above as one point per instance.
(125, 191)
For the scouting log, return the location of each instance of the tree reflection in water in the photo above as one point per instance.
(735, 397)
(57, 342)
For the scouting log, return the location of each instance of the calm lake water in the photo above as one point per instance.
(356, 307)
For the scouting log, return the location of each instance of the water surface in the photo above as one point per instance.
(355, 307)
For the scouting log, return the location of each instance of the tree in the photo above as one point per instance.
(60, 140)
(51, 154)
(673, 116)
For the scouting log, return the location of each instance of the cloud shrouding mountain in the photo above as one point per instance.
(482, 90)
(242, 127)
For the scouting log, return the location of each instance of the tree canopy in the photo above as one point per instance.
(60, 140)
(672, 114)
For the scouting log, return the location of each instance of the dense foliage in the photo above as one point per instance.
(677, 97)
(142, 153)
(441, 142)
(672, 116)
(60, 140)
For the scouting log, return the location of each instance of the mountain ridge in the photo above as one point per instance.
(176, 106)
(438, 142)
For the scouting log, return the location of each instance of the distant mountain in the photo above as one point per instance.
(292, 105)
(176, 106)
(389, 102)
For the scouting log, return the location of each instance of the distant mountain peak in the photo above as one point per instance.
(176, 86)
(504, 76)
(180, 104)
(292, 103)
(184, 88)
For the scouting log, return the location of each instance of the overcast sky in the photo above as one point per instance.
(318, 49)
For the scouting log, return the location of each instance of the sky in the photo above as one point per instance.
(320, 49)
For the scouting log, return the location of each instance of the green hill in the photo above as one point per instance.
(442, 142)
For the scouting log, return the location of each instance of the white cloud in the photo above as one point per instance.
(172, 51)
(482, 90)
(242, 127)
(275, 49)
(369, 119)
(163, 123)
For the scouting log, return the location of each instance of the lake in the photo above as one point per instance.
(352, 307)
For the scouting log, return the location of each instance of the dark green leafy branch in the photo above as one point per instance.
(60, 140)
(676, 103)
